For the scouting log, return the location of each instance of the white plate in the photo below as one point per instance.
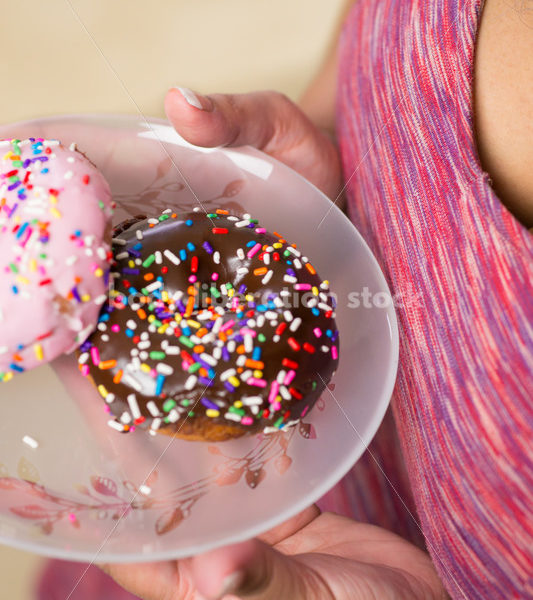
(71, 497)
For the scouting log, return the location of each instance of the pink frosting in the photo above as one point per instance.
(55, 209)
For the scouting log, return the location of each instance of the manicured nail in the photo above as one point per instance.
(191, 98)
(231, 584)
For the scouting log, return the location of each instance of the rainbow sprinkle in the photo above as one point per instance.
(210, 346)
(30, 206)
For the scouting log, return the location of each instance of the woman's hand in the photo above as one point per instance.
(310, 557)
(268, 121)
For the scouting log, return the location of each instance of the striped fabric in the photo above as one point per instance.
(463, 401)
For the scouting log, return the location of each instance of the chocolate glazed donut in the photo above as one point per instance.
(214, 328)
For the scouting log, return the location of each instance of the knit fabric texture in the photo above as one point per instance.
(460, 265)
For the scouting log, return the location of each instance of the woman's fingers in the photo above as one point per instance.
(330, 558)
(255, 571)
(291, 526)
(266, 120)
(150, 581)
(255, 119)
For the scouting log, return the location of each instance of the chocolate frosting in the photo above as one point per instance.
(211, 320)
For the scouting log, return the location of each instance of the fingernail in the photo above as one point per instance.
(231, 584)
(193, 99)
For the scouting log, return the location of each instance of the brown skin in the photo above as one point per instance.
(266, 120)
(311, 557)
(327, 556)
(504, 103)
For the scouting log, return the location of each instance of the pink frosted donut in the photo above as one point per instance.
(55, 217)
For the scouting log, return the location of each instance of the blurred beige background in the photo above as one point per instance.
(120, 56)
(91, 55)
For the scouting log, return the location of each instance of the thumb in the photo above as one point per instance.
(232, 119)
(267, 120)
(253, 570)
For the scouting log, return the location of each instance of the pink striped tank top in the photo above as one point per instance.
(461, 265)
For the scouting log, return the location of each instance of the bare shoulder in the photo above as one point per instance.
(503, 105)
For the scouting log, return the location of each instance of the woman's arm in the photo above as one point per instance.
(503, 98)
